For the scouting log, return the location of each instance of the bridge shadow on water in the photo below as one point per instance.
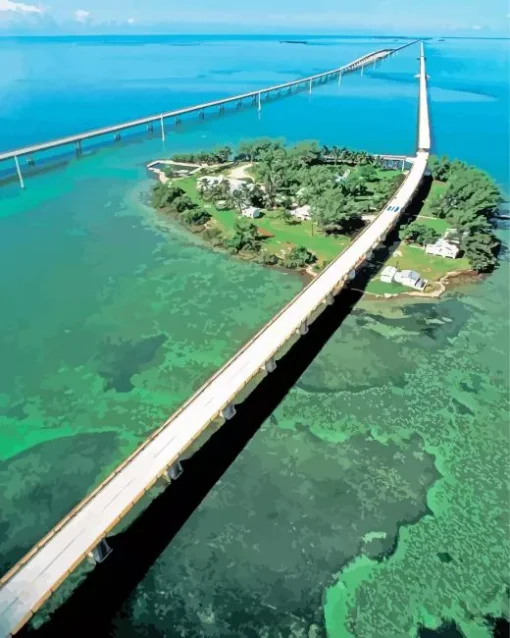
(91, 608)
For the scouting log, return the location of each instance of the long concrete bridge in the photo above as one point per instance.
(255, 96)
(84, 530)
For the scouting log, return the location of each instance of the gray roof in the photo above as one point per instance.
(410, 274)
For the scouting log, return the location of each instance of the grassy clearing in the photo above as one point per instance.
(430, 267)
(305, 233)
(439, 225)
(280, 236)
(377, 287)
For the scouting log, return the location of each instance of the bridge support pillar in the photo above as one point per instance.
(150, 127)
(329, 299)
(31, 161)
(201, 115)
(269, 365)
(303, 329)
(116, 137)
(18, 171)
(339, 78)
(77, 147)
(228, 412)
(162, 124)
(173, 472)
(259, 107)
(101, 551)
(310, 87)
(222, 109)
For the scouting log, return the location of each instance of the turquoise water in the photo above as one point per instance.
(393, 441)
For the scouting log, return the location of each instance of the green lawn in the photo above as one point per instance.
(378, 287)
(280, 236)
(439, 225)
(430, 267)
(305, 233)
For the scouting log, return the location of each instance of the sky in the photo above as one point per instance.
(481, 18)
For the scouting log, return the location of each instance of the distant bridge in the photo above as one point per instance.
(256, 97)
(84, 530)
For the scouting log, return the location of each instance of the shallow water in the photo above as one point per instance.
(392, 443)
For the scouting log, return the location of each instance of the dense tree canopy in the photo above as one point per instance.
(469, 202)
(339, 185)
(334, 212)
(245, 237)
(216, 156)
(420, 234)
(299, 257)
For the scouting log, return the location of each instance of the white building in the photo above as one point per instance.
(388, 274)
(209, 181)
(443, 248)
(301, 212)
(409, 278)
(251, 211)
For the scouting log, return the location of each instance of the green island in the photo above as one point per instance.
(299, 206)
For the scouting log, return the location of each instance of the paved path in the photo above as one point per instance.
(39, 573)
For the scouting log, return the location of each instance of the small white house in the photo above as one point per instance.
(443, 248)
(409, 278)
(388, 274)
(251, 212)
(301, 212)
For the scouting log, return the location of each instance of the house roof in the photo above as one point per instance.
(410, 274)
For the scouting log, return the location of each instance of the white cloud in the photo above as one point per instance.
(20, 7)
(80, 15)
(131, 21)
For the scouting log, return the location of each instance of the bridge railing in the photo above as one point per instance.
(195, 395)
(79, 137)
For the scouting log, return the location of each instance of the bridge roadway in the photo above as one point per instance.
(36, 576)
(116, 128)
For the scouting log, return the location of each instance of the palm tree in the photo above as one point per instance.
(241, 197)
